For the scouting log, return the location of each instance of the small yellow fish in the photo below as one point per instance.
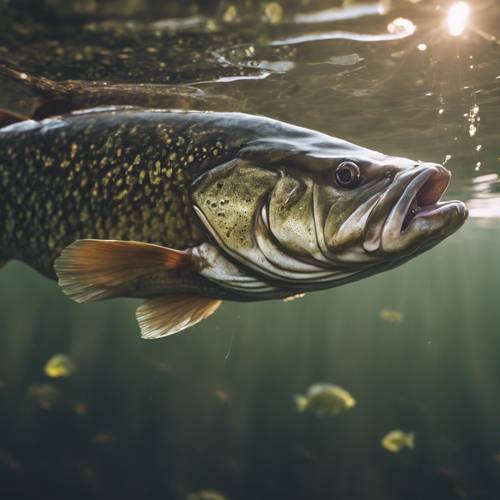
(396, 440)
(391, 316)
(59, 365)
(46, 395)
(103, 438)
(325, 399)
(80, 408)
(206, 495)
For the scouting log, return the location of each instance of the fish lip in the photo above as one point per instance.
(425, 202)
(382, 214)
(413, 194)
(421, 196)
(418, 219)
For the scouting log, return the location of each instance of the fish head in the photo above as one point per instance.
(325, 213)
(382, 210)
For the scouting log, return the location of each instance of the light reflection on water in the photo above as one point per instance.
(342, 13)
(458, 15)
(484, 205)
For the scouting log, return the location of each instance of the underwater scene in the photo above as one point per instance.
(293, 208)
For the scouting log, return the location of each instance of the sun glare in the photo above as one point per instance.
(457, 18)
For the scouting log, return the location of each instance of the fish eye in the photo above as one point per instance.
(347, 174)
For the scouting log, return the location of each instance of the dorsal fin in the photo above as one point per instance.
(8, 118)
(91, 270)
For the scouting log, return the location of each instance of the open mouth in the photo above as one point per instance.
(409, 213)
(424, 193)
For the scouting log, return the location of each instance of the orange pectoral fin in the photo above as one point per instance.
(164, 316)
(91, 270)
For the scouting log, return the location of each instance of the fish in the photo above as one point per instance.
(397, 439)
(325, 399)
(187, 209)
(103, 438)
(206, 495)
(59, 365)
(391, 315)
(46, 395)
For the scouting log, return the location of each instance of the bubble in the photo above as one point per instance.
(473, 119)
(401, 25)
(230, 14)
(273, 13)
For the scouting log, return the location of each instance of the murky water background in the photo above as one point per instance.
(213, 408)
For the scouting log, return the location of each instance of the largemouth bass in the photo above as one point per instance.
(187, 209)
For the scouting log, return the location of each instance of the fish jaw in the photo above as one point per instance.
(410, 217)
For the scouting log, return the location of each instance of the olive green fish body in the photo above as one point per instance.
(103, 174)
(187, 208)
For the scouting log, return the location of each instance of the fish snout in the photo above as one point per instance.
(415, 215)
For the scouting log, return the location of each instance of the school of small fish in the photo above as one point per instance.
(320, 400)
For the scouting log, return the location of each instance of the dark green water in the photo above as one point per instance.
(212, 408)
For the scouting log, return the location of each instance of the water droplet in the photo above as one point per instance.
(230, 14)
(401, 25)
(422, 47)
(478, 166)
(479, 147)
(273, 12)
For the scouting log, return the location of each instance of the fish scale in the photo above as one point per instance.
(99, 175)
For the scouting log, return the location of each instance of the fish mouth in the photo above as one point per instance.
(424, 193)
(410, 214)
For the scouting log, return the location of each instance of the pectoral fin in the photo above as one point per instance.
(170, 314)
(91, 270)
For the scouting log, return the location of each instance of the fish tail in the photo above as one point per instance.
(37, 84)
(41, 89)
(410, 440)
(301, 402)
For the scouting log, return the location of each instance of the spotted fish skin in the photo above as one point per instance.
(106, 174)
